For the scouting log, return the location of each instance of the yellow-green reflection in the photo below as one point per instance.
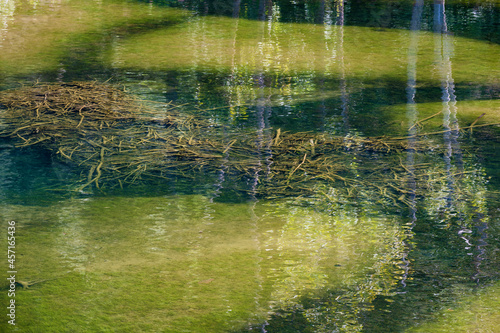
(223, 43)
(175, 264)
(37, 35)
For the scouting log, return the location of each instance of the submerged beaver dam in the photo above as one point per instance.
(114, 140)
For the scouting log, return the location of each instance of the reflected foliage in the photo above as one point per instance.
(481, 16)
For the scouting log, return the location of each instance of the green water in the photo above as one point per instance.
(185, 264)
(210, 255)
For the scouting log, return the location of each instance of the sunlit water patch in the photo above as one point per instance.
(314, 77)
(53, 38)
(185, 264)
(241, 47)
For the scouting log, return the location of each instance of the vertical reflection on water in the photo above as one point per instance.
(323, 17)
(474, 231)
(196, 34)
(7, 9)
(73, 244)
(443, 50)
(259, 298)
(334, 68)
(481, 248)
(265, 9)
(343, 85)
(194, 272)
(221, 176)
(236, 8)
(412, 117)
(268, 51)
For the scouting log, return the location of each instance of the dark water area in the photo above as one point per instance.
(402, 239)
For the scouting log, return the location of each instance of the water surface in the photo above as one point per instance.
(213, 254)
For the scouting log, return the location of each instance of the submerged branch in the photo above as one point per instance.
(87, 124)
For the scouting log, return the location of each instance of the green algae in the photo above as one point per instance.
(185, 264)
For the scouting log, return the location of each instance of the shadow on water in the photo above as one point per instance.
(370, 100)
(83, 56)
(26, 174)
